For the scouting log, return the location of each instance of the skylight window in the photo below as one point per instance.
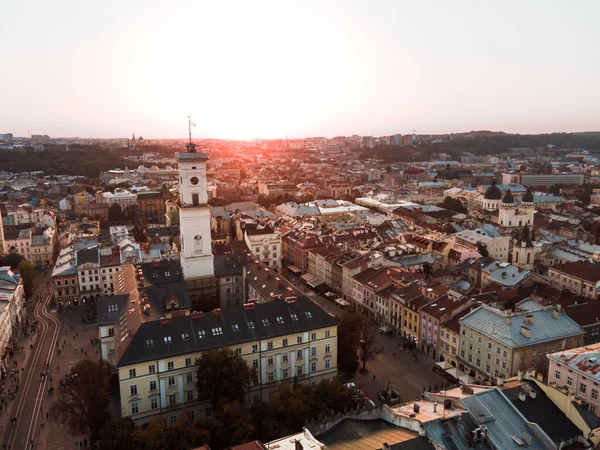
(279, 319)
(167, 339)
(308, 314)
(201, 334)
(265, 322)
(251, 325)
(294, 317)
(185, 336)
(235, 327)
(218, 331)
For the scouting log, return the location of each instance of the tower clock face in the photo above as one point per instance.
(194, 180)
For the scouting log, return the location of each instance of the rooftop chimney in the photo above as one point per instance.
(249, 257)
(197, 314)
(155, 263)
(249, 306)
(522, 396)
(435, 407)
(509, 319)
(533, 394)
(217, 311)
(256, 264)
(267, 273)
(416, 408)
(277, 282)
(164, 320)
(239, 260)
(500, 381)
(555, 313)
(290, 299)
(525, 331)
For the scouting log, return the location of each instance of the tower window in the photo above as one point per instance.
(195, 200)
(197, 244)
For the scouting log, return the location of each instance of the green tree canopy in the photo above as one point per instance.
(223, 376)
(115, 214)
(84, 400)
(27, 274)
(348, 342)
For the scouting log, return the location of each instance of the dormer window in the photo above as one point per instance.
(167, 339)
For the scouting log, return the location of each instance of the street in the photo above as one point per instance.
(26, 423)
(407, 376)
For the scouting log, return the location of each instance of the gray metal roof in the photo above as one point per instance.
(503, 421)
(544, 328)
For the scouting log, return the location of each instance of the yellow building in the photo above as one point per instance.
(286, 340)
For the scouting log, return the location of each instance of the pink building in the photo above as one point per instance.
(578, 370)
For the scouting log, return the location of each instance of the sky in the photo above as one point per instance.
(266, 69)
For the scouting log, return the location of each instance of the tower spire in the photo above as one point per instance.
(191, 147)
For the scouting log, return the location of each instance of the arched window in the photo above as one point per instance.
(197, 244)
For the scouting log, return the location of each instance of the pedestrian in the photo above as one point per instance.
(374, 377)
(86, 354)
(85, 442)
(47, 415)
(394, 355)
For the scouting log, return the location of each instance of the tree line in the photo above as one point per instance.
(88, 163)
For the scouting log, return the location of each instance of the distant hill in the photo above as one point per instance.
(485, 142)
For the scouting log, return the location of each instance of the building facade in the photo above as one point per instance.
(286, 341)
(497, 344)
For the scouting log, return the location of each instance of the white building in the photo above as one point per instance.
(88, 272)
(12, 310)
(265, 243)
(498, 247)
(120, 197)
(194, 215)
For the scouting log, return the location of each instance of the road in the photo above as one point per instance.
(392, 365)
(33, 386)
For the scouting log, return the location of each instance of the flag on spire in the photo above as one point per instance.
(193, 124)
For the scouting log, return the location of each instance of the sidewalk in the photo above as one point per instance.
(19, 362)
(52, 434)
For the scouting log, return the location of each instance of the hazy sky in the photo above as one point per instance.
(251, 69)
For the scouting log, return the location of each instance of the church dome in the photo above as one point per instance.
(528, 197)
(493, 192)
(508, 198)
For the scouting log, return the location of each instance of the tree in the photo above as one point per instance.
(482, 249)
(223, 376)
(230, 425)
(118, 435)
(454, 204)
(27, 275)
(85, 398)
(368, 348)
(555, 189)
(348, 342)
(115, 214)
(182, 435)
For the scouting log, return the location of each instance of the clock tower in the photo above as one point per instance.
(194, 216)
